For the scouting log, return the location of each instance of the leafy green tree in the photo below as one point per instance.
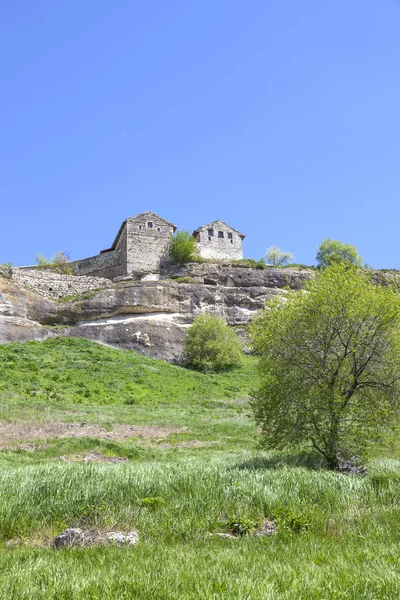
(211, 345)
(329, 364)
(278, 258)
(333, 251)
(58, 263)
(183, 247)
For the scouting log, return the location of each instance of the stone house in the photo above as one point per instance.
(220, 241)
(141, 245)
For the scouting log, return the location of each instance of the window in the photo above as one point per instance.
(220, 234)
(210, 232)
(229, 235)
(158, 229)
(209, 238)
(150, 225)
(140, 227)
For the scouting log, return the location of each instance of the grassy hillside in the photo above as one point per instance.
(192, 467)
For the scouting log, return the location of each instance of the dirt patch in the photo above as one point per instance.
(187, 444)
(93, 457)
(12, 433)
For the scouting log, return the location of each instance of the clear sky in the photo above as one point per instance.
(281, 118)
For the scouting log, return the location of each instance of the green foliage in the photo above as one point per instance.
(342, 552)
(333, 251)
(155, 502)
(249, 262)
(59, 263)
(211, 345)
(183, 247)
(278, 258)
(81, 371)
(330, 363)
(240, 525)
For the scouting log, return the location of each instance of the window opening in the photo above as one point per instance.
(229, 235)
(220, 234)
(211, 232)
(150, 225)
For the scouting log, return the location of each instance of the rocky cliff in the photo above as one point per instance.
(149, 316)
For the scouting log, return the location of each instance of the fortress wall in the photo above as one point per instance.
(54, 285)
(102, 265)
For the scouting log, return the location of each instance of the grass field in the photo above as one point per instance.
(192, 468)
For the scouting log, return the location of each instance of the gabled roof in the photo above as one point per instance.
(213, 223)
(147, 213)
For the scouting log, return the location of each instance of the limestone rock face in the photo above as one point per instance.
(147, 316)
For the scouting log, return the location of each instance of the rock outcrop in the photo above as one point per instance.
(149, 316)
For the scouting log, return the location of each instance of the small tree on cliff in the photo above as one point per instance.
(60, 263)
(183, 247)
(211, 345)
(333, 251)
(278, 258)
(330, 364)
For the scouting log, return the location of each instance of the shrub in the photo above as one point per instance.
(278, 258)
(183, 247)
(211, 345)
(333, 251)
(58, 263)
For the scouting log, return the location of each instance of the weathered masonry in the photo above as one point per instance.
(218, 240)
(142, 245)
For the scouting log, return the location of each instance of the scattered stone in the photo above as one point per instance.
(119, 538)
(226, 536)
(69, 537)
(352, 465)
(267, 528)
(74, 537)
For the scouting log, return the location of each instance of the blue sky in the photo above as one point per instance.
(281, 118)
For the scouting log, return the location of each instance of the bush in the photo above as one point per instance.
(183, 247)
(278, 258)
(211, 345)
(58, 263)
(333, 251)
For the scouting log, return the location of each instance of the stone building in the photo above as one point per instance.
(220, 241)
(141, 245)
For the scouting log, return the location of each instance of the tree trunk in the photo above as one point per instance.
(332, 462)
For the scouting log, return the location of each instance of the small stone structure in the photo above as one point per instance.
(219, 240)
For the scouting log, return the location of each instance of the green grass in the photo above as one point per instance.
(338, 536)
(78, 371)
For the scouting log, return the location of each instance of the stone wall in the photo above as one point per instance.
(54, 285)
(217, 240)
(148, 240)
(108, 264)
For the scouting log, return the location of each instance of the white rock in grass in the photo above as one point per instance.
(119, 538)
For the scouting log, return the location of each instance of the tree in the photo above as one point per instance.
(277, 258)
(329, 364)
(211, 345)
(332, 251)
(183, 247)
(58, 263)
